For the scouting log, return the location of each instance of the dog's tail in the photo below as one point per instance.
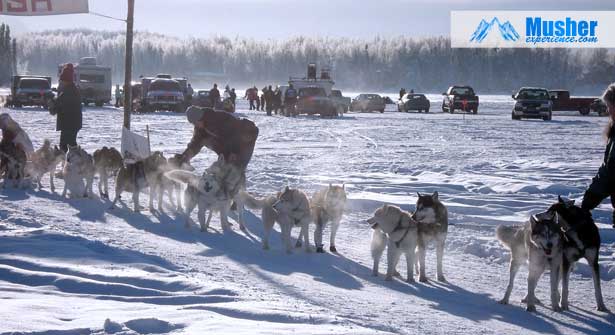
(251, 202)
(182, 176)
(506, 234)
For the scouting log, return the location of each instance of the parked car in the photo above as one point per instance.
(342, 102)
(314, 100)
(460, 98)
(30, 91)
(562, 101)
(413, 101)
(368, 103)
(201, 99)
(532, 103)
(163, 94)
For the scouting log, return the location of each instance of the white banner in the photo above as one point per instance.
(533, 29)
(134, 146)
(42, 7)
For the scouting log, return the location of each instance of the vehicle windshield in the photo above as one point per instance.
(312, 92)
(415, 96)
(336, 93)
(462, 91)
(203, 93)
(92, 78)
(370, 96)
(533, 95)
(164, 85)
(34, 83)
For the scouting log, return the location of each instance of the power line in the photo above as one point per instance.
(106, 16)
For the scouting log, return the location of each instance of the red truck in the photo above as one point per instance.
(562, 101)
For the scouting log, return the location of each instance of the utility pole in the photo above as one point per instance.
(128, 65)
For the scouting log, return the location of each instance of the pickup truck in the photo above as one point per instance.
(30, 91)
(314, 100)
(461, 98)
(562, 101)
(342, 103)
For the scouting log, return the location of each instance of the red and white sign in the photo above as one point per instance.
(42, 7)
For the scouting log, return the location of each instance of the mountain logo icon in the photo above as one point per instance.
(507, 31)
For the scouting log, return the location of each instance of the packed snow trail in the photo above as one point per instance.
(75, 265)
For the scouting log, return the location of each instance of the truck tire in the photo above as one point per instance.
(99, 103)
(340, 111)
(475, 110)
(515, 117)
(548, 118)
(584, 110)
(381, 111)
(427, 110)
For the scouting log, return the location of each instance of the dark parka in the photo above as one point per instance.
(225, 134)
(603, 184)
(68, 108)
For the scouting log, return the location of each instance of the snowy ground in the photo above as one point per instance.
(71, 264)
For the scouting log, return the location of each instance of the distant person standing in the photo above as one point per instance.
(277, 100)
(268, 95)
(118, 95)
(214, 96)
(402, 92)
(290, 99)
(263, 101)
(258, 100)
(67, 107)
(233, 96)
(189, 94)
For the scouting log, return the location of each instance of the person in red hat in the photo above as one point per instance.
(67, 107)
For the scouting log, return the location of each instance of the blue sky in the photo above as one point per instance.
(263, 19)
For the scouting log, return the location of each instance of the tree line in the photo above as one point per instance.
(378, 64)
(8, 55)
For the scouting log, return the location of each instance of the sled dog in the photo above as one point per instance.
(214, 190)
(577, 237)
(328, 205)
(107, 162)
(12, 164)
(43, 161)
(396, 230)
(174, 188)
(136, 177)
(78, 167)
(433, 226)
(289, 208)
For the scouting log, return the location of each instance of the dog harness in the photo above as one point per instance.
(398, 228)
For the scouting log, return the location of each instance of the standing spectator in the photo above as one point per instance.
(290, 99)
(233, 96)
(258, 100)
(67, 107)
(402, 92)
(277, 100)
(268, 97)
(263, 102)
(189, 94)
(118, 96)
(214, 96)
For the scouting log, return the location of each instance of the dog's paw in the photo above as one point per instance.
(503, 302)
(374, 273)
(388, 278)
(564, 307)
(531, 308)
(410, 280)
(423, 279)
(556, 308)
(442, 279)
(298, 244)
(320, 250)
(332, 248)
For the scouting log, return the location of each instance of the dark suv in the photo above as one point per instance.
(533, 103)
(461, 98)
(314, 100)
(368, 103)
(30, 91)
